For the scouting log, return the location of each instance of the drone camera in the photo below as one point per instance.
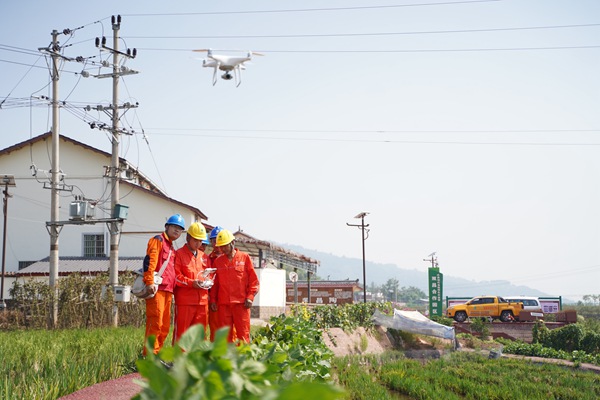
(227, 76)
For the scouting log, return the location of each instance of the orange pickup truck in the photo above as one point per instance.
(494, 307)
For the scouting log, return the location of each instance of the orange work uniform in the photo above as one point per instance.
(158, 308)
(191, 303)
(235, 281)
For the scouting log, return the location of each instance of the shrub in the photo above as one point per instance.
(590, 343)
(567, 338)
(480, 326)
(82, 302)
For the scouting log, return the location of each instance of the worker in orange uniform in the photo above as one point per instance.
(236, 284)
(213, 316)
(159, 277)
(191, 282)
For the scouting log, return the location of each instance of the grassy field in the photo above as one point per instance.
(40, 364)
(461, 375)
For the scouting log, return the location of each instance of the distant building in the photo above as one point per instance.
(323, 292)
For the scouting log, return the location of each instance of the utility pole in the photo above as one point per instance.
(364, 231)
(8, 181)
(54, 230)
(55, 186)
(432, 259)
(115, 170)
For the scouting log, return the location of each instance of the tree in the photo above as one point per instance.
(390, 289)
(411, 295)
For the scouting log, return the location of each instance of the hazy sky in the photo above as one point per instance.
(468, 128)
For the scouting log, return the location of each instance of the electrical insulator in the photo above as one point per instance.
(97, 42)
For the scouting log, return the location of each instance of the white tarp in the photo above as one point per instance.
(414, 322)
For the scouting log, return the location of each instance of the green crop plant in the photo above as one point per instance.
(40, 364)
(220, 370)
(462, 375)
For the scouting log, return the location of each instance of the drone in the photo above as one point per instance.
(232, 66)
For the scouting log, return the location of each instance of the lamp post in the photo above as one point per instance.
(7, 180)
(363, 227)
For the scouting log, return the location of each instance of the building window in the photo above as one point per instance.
(93, 245)
(25, 264)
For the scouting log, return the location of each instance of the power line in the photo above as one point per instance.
(381, 140)
(444, 3)
(397, 51)
(367, 34)
(20, 63)
(383, 131)
(22, 50)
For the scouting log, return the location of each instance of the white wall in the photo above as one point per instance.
(272, 288)
(27, 238)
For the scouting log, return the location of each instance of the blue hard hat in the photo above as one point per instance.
(206, 242)
(215, 232)
(176, 219)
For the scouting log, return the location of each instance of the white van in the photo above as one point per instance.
(529, 303)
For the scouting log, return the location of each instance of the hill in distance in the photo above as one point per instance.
(341, 268)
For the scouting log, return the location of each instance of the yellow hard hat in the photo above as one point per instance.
(224, 238)
(197, 231)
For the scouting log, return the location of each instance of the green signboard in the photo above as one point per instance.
(436, 284)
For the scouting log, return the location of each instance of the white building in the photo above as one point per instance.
(28, 210)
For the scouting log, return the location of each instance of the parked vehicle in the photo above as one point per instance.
(494, 307)
(529, 303)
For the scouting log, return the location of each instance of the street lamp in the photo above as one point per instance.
(7, 181)
(363, 227)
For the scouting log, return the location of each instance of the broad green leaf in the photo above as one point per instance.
(220, 343)
(193, 338)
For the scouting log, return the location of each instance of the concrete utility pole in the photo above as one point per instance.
(115, 170)
(56, 177)
(54, 230)
(8, 181)
(365, 231)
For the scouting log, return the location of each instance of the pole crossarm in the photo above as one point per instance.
(84, 221)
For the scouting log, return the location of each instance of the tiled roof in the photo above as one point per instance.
(68, 265)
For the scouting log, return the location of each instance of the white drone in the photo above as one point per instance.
(228, 64)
